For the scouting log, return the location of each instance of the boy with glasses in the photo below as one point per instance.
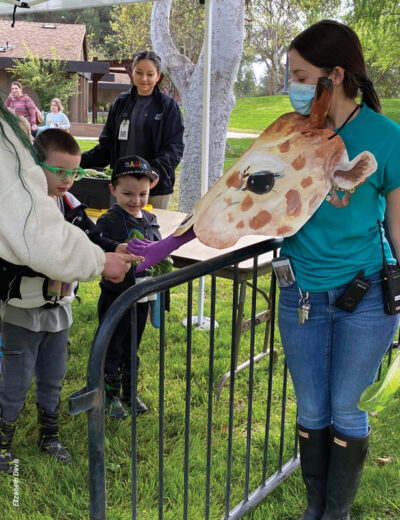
(36, 314)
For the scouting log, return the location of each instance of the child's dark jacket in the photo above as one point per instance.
(119, 225)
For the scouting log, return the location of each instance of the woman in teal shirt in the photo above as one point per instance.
(333, 355)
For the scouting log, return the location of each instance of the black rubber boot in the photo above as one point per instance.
(113, 405)
(141, 407)
(7, 430)
(49, 441)
(346, 465)
(314, 459)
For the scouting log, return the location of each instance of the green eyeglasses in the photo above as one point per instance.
(62, 173)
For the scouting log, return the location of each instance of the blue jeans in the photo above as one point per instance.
(335, 355)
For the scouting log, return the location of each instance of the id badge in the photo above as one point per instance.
(283, 272)
(124, 130)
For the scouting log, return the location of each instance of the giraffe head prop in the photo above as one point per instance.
(281, 180)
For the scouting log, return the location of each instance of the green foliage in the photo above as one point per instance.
(245, 85)
(130, 30)
(271, 25)
(130, 25)
(163, 267)
(48, 78)
(378, 395)
(378, 24)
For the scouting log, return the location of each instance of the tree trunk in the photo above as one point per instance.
(226, 53)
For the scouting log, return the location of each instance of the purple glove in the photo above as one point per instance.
(154, 252)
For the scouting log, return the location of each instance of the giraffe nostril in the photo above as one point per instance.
(261, 182)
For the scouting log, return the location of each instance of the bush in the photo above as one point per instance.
(47, 77)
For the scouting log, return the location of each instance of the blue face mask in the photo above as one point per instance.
(301, 97)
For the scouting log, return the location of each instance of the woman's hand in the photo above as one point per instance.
(116, 266)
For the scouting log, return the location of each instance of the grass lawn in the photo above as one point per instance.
(48, 491)
(253, 115)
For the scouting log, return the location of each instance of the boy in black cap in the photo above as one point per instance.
(131, 181)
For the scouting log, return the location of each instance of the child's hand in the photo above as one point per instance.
(123, 248)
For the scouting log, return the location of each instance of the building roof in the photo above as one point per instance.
(69, 40)
(115, 80)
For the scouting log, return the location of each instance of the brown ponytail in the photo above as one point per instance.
(369, 95)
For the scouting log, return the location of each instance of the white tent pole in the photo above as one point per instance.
(205, 135)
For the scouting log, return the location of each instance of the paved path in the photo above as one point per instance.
(238, 135)
(231, 135)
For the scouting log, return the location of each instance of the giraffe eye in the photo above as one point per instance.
(261, 182)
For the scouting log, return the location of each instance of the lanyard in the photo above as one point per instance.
(347, 120)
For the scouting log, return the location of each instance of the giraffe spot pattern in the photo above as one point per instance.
(306, 182)
(284, 147)
(230, 217)
(283, 230)
(246, 203)
(233, 181)
(240, 225)
(262, 218)
(299, 162)
(293, 203)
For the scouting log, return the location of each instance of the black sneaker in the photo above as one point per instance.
(114, 409)
(141, 407)
(55, 449)
(6, 461)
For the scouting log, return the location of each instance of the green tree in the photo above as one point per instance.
(246, 84)
(270, 26)
(377, 23)
(130, 30)
(47, 77)
(130, 26)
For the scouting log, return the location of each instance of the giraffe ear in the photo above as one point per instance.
(356, 172)
(321, 104)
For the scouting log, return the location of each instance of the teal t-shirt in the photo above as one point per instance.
(332, 247)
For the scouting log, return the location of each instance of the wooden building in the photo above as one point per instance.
(70, 44)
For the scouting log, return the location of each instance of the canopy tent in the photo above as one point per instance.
(7, 6)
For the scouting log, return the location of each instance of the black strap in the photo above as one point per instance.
(383, 249)
(347, 120)
(13, 18)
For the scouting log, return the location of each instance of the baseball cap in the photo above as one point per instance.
(133, 165)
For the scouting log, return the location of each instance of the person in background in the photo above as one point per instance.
(146, 122)
(22, 104)
(131, 182)
(56, 118)
(333, 353)
(36, 312)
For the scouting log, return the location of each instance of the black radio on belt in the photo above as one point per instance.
(390, 283)
(354, 293)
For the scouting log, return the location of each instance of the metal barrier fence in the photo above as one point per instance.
(91, 399)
